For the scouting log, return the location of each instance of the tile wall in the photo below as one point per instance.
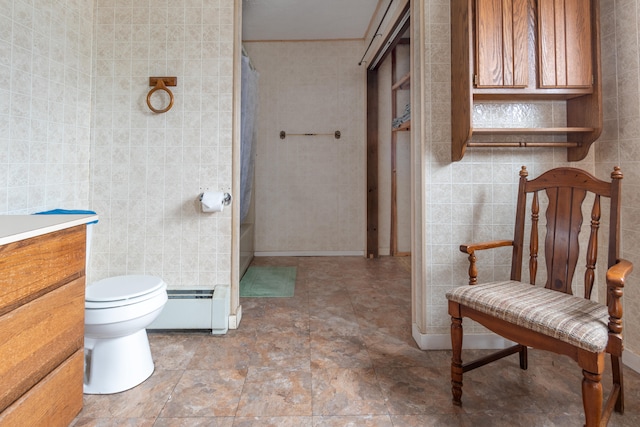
(45, 104)
(147, 169)
(310, 190)
(620, 140)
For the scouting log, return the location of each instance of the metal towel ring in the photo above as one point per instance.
(160, 86)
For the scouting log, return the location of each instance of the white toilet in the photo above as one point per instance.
(116, 347)
(117, 311)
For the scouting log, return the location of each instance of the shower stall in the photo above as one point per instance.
(249, 104)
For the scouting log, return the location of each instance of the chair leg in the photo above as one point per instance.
(524, 360)
(616, 369)
(592, 398)
(456, 360)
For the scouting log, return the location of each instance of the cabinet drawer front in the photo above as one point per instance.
(53, 402)
(37, 337)
(32, 267)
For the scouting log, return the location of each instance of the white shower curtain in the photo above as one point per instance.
(248, 110)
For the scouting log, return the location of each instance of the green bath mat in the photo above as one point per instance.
(274, 282)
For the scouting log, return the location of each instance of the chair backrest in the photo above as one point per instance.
(566, 190)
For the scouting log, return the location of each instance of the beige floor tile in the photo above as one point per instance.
(195, 422)
(337, 351)
(340, 391)
(206, 393)
(273, 422)
(353, 421)
(340, 353)
(275, 392)
(113, 422)
(143, 401)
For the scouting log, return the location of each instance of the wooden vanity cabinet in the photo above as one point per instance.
(522, 51)
(42, 286)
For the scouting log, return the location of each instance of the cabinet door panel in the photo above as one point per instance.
(564, 28)
(54, 401)
(37, 337)
(501, 43)
(32, 267)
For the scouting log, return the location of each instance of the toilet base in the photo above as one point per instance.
(113, 365)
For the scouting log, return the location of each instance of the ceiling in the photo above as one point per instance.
(306, 19)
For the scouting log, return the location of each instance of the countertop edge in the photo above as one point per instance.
(14, 228)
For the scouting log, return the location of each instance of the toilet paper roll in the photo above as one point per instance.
(212, 201)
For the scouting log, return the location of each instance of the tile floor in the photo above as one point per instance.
(339, 353)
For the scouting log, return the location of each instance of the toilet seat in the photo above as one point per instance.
(122, 290)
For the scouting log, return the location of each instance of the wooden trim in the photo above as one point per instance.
(236, 154)
(393, 244)
(461, 82)
(521, 144)
(393, 43)
(403, 83)
(588, 109)
(372, 164)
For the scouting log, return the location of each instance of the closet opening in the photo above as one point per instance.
(388, 144)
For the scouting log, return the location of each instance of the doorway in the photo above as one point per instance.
(389, 144)
(311, 168)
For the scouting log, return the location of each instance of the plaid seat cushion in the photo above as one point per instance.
(574, 320)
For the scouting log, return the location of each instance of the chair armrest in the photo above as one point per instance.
(618, 272)
(472, 248)
(616, 276)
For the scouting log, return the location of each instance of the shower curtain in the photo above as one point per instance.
(248, 110)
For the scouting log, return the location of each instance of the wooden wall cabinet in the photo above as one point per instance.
(521, 51)
(42, 328)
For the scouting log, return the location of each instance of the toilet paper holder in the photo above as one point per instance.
(225, 201)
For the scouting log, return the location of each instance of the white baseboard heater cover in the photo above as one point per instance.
(195, 309)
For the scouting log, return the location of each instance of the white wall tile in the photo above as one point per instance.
(147, 169)
(45, 108)
(309, 189)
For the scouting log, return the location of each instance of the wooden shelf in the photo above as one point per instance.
(528, 94)
(403, 127)
(531, 131)
(403, 84)
(523, 144)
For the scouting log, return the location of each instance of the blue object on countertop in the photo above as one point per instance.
(68, 212)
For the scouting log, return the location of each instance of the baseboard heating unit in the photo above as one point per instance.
(195, 309)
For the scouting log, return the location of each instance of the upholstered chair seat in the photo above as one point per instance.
(577, 321)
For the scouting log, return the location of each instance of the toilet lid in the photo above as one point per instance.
(122, 288)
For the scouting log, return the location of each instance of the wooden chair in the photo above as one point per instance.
(551, 317)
